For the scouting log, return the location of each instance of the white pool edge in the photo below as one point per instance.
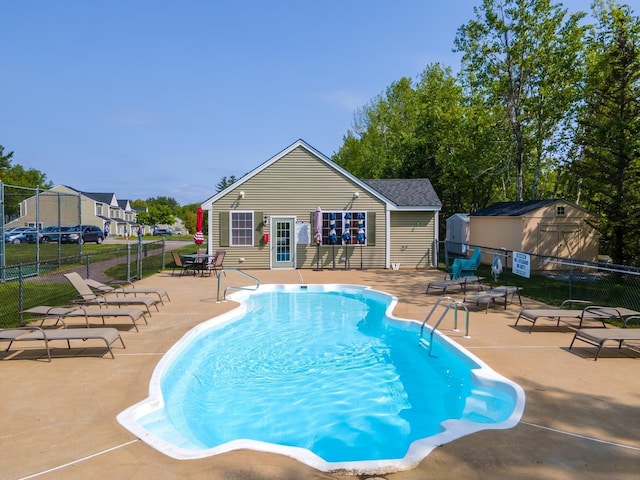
(418, 450)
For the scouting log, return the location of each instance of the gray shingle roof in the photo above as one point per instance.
(512, 209)
(408, 192)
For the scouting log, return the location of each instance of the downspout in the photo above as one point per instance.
(436, 239)
(387, 236)
(210, 230)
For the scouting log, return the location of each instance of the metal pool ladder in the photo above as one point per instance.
(224, 299)
(452, 304)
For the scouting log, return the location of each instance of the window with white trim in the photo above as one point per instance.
(354, 223)
(241, 229)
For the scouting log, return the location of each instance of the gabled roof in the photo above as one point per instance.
(299, 143)
(108, 198)
(124, 205)
(413, 192)
(513, 209)
(423, 197)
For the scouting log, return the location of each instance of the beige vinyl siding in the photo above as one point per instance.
(294, 186)
(412, 239)
(540, 232)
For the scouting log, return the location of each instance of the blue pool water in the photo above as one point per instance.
(323, 374)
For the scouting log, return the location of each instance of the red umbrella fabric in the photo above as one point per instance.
(198, 238)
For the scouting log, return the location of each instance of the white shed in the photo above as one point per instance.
(457, 237)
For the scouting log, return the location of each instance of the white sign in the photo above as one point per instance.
(303, 232)
(522, 264)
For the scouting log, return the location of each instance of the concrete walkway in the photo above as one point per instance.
(582, 418)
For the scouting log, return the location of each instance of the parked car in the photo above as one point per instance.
(162, 231)
(52, 233)
(20, 235)
(82, 234)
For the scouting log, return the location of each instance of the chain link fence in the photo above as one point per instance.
(555, 279)
(28, 284)
(31, 215)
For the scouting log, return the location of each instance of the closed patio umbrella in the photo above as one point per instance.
(198, 238)
(318, 234)
(346, 236)
(333, 236)
(361, 235)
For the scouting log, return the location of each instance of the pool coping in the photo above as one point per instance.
(453, 429)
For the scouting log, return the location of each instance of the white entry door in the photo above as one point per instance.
(283, 246)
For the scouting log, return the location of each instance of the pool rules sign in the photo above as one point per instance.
(521, 264)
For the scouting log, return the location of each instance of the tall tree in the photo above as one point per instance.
(609, 168)
(225, 182)
(519, 54)
(430, 129)
(5, 161)
(25, 181)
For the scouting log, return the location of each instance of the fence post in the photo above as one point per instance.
(20, 293)
(163, 251)
(139, 261)
(570, 280)
(88, 269)
(128, 262)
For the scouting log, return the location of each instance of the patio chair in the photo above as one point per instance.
(21, 334)
(461, 282)
(89, 297)
(118, 289)
(599, 336)
(183, 265)
(59, 314)
(564, 314)
(489, 297)
(464, 267)
(216, 263)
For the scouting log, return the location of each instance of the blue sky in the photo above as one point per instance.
(164, 98)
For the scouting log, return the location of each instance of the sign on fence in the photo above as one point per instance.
(521, 264)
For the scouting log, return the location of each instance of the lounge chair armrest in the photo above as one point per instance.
(634, 318)
(571, 302)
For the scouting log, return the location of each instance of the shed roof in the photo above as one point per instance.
(512, 209)
(407, 192)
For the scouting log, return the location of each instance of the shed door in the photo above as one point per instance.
(560, 240)
(283, 245)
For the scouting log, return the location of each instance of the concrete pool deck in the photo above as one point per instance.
(582, 418)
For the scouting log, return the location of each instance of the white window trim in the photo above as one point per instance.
(231, 214)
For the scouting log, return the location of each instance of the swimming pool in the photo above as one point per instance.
(321, 373)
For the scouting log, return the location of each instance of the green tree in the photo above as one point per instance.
(609, 167)
(156, 214)
(430, 129)
(18, 176)
(519, 54)
(225, 182)
(5, 161)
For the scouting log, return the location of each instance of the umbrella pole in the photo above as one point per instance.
(318, 269)
(347, 264)
(333, 250)
(361, 267)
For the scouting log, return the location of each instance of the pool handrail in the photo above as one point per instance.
(452, 303)
(224, 270)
